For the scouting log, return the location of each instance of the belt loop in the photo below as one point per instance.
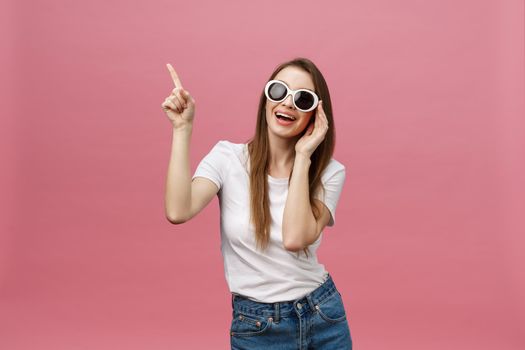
(310, 301)
(276, 307)
(233, 298)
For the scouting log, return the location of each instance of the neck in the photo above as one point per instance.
(282, 153)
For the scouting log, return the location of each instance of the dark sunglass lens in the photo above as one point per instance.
(304, 100)
(277, 91)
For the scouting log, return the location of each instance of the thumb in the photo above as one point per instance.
(188, 97)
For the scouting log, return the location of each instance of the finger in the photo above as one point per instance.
(182, 94)
(319, 111)
(169, 105)
(185, 95)
(173, 106)
(182, 99)
(318, 119)
(323, 114)
(176, 101)
(320, 107)
(172, 100)
(323, 123)
(174, 76)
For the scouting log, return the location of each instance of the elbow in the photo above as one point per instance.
(176, 219)
(293, 246)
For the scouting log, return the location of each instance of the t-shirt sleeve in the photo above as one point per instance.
(333, 180)
(215, 164)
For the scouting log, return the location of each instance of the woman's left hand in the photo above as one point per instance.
(314, 134)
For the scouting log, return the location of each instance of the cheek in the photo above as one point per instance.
(268, 110)
(307, 120)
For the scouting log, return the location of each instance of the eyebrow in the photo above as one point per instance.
(296, 89)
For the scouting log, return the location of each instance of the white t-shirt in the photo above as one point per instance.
(275, 274)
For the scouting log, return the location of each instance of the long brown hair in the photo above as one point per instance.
(258, 150)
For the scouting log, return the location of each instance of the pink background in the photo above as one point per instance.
(428, 99)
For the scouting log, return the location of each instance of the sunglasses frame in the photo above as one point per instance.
(290, 92)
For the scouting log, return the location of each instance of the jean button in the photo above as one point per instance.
(299, 305)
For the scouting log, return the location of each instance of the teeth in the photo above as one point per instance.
(284, 115)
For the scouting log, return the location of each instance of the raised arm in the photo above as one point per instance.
(184, 198)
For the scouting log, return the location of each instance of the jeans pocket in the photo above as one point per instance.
(245, 325)
(332, 309)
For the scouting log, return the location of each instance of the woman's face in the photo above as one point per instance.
(295, 78)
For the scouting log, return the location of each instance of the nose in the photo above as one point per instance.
(288, 101)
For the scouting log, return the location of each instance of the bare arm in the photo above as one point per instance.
(300, 228)
(183, 198)
(178, 180)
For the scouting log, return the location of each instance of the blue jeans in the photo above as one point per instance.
(315, 321)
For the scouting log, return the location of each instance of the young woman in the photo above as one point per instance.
(276, 192)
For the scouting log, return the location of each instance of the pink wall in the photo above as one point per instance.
(428, 105)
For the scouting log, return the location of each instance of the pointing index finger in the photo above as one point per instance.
(174, 76)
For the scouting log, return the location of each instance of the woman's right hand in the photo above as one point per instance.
(179, 105)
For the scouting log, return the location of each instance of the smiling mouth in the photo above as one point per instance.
(284, 117)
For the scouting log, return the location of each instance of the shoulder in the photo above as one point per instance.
(225, 152)
(232, 149)
(229, 146)
(223, 148)
(334, 167)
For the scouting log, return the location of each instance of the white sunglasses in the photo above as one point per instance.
(303, 99)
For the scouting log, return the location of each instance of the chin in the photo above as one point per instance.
(286, 133)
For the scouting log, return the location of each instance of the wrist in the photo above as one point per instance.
(302, 159)
(183, 128)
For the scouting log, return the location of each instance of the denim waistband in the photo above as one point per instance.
(284, 308)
